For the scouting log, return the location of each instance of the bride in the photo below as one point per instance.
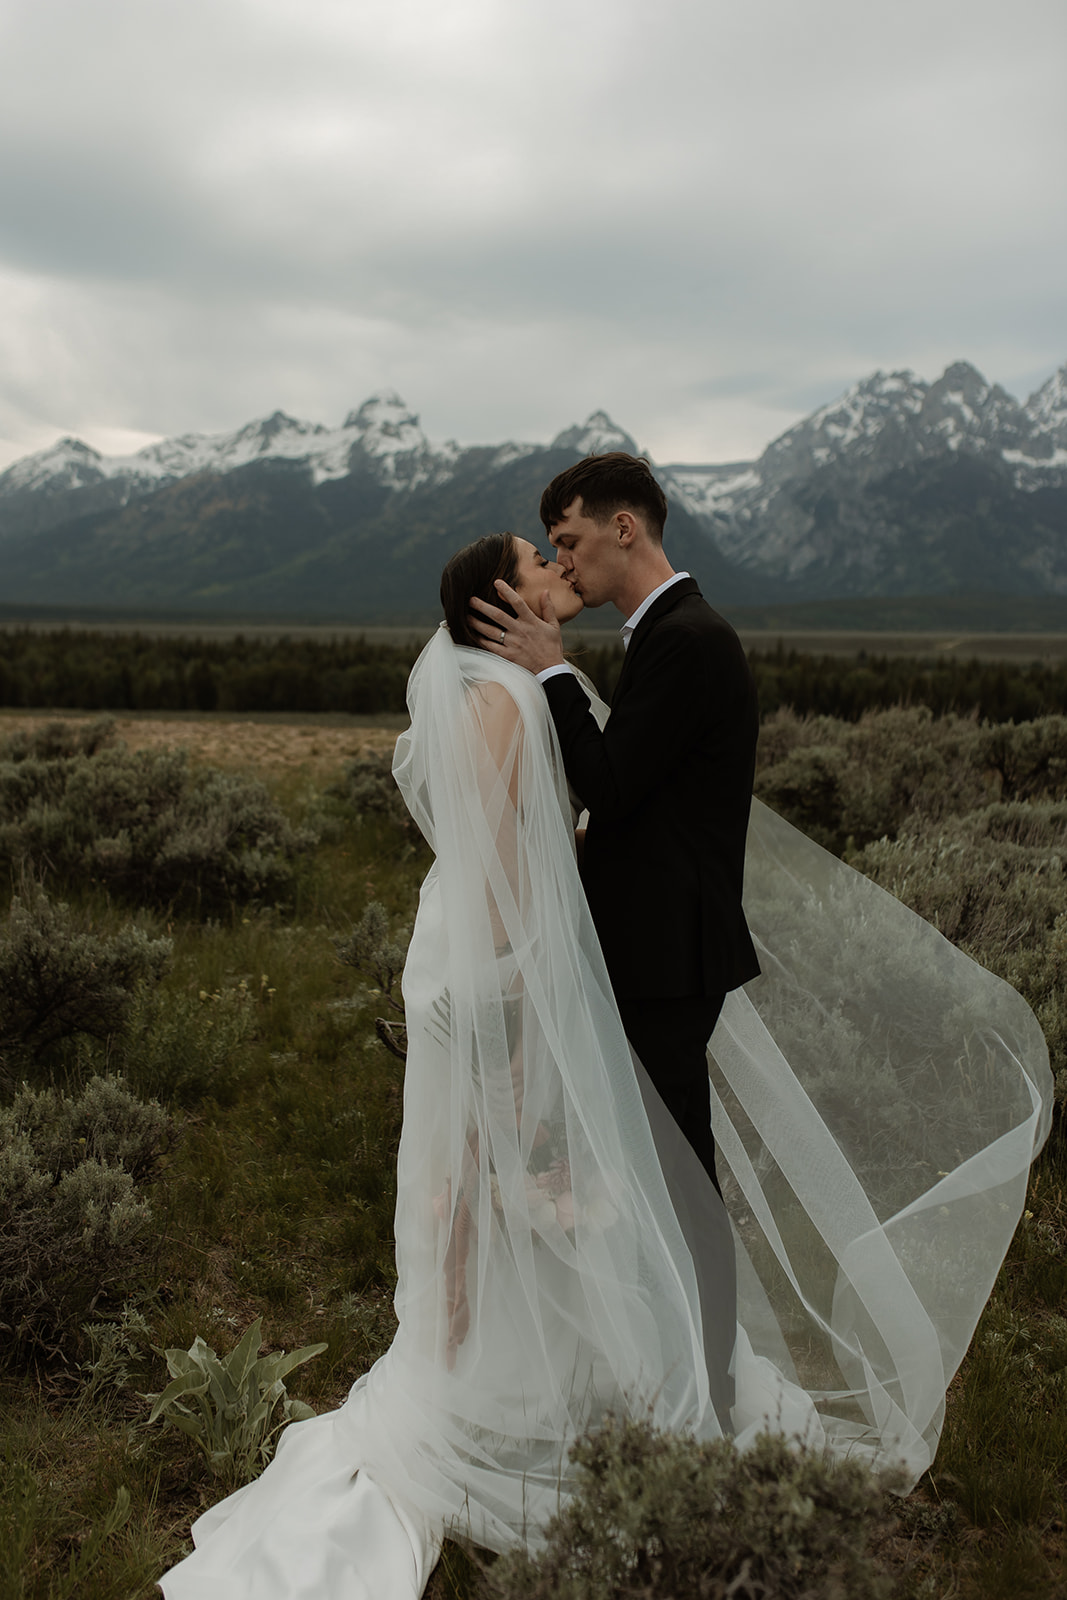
(561, 1253)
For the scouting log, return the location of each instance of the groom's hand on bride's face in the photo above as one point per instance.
(532, 641)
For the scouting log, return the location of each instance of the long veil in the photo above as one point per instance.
(876, 1098)
(877, 1101)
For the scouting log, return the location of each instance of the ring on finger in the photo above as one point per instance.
(503, 635)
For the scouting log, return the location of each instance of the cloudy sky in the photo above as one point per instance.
(705, 216)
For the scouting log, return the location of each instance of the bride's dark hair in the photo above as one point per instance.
(472, 571)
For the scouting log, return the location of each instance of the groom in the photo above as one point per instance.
(668, 783)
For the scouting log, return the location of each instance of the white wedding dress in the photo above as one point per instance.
(877, 1100)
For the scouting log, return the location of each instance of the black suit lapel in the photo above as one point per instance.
(659, 608)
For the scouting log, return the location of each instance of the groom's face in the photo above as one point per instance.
(588, 554)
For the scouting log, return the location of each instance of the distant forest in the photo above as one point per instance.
(89, 670)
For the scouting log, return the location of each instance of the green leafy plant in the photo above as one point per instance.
(658, 1514)
(227, 1404)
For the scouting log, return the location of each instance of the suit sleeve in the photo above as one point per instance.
(664, 707)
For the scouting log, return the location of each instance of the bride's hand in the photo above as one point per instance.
(532, 641)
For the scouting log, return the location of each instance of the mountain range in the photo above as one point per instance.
(900, 487)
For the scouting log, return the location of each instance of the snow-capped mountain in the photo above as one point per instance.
(596, 436)
(814, 509)
(383, 430)
(900, 486)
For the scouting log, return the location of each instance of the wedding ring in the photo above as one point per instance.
(503, 635)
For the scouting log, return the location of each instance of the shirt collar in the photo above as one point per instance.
(630, 624)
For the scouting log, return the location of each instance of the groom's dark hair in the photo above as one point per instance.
(608, 483)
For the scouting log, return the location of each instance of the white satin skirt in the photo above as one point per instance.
(313, 1527)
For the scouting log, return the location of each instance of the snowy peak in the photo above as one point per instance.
(596, 436)
(67, 464)
(1047, 408)
(383, 430)
(966, 411)
(385, 426)
(894, 419)
(278, 435)
(853, 424)
(388, 435)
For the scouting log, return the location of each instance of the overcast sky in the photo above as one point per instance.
(705, 216)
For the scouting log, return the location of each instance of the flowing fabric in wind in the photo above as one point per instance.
(877, 1099)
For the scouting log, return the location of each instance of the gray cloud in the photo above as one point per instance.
(706, 219)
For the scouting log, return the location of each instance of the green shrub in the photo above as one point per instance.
(991, 880)
(58, 740)
(115, 1348)
(1030, 758)
(58, 979)
(228, 1405)
(370, 949)
(847, 782)
(655, 1514)
(74, 1224)
(183, 1048)
(369, 788)
(148, 827)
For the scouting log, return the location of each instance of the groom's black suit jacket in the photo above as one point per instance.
(668, 786)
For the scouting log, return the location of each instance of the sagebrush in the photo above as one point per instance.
(75, 1222)
(145, 825)
(61, 980)
(657, 1514)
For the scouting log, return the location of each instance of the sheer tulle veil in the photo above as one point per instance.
(877, 1099)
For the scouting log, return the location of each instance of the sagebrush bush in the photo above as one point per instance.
(1029, 758)
(370, 789)
(656, 1514)
(57, 740)
(183, 1048)
(370, 948)
(991, 880)
(844, 782)
(147, 826)
(59, 979)
(74, 1222)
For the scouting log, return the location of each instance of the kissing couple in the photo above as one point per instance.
(731, 1170)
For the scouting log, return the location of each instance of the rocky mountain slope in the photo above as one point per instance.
(899, 487)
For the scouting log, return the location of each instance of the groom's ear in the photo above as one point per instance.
(626, 527)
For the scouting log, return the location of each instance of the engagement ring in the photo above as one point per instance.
(503, 635)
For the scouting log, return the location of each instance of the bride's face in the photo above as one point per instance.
(536, 576)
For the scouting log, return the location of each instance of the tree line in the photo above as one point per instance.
(72, 669)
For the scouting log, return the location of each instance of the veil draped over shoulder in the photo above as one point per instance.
(877, 1100)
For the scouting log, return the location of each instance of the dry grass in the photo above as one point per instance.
(269, 746)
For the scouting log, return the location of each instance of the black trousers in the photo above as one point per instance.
(671, 1040)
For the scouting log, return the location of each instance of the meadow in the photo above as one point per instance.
(201, 931)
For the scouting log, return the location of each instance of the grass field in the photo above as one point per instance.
(277, 1202)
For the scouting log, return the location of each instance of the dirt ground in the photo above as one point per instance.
(269, 745)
